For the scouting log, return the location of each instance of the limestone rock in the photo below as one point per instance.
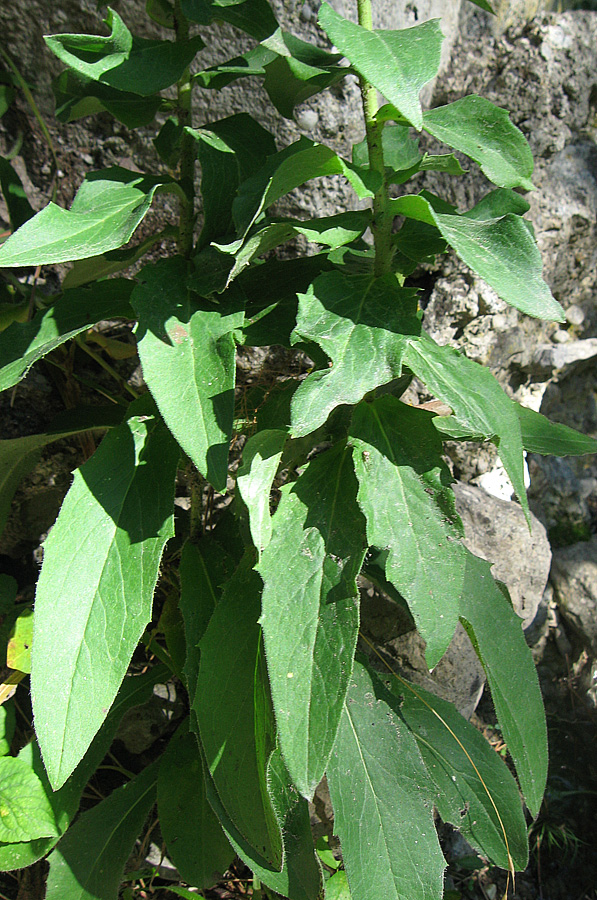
(574, 578)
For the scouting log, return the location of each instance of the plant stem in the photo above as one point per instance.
(187, 153)
(381, 226)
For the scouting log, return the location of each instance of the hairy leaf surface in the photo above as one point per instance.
(539, 435)
(261, 457)
(117, 516)
(25, 810)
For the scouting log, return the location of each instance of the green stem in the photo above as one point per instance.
(381, 226)
(187, 153)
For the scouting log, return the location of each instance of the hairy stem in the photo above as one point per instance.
(381, 226)
(187, 154)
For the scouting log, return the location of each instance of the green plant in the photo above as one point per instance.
(258, 612)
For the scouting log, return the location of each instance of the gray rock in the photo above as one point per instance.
(143, 725)
(574, 578)
(564, 355)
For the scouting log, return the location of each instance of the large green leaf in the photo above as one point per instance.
(23, 344)
(405, 495)
(539, 435)
(475, 790)
(230, 151)
(123, 61)
(261, 458)
(96, 585)
(234, 713)
(484, 132)
(508, 664)
(255, 17)
(25, 810)
(65, 802)
(188, 355)
(310, 611)
(383, 800)
(89, 862)
(77, 96)
(475, 397)
(397, 63)
(104, 214)
(501, 250)
(362, 324)
(194, 838)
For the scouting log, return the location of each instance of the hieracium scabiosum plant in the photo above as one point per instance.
(250, 599)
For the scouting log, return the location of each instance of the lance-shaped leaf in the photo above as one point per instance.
(301, 875)
(230, 151)
(310, 612)
(511, 674)
(261, 458)
(405, 495)
(95, 590)
(188, 355)
(475, 790)
(105, 212)
(194, 838)
(383, 800)
(65, 801)
(23, 344)
(484, 132)
(255, 17)
(77, 96)
(501, 250)
(539, 435)
(234, 714)
(363, 325)
(249, 64)
(25, 810)
(476, 398)
(397, 63)
(89, 862)
(123, 61)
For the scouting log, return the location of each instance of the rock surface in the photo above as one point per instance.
(574, 578)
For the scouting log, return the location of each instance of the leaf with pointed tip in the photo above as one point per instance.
(383, 800)
(123, 61)
(310, 614)
(234, 714)
(475, 790)
(476, 398)
(511, 674)
(484, 132)
(397, 63)
(194, 838)
(104, 214)
(117, 516)
(255, 17)
(539, 435)
(362, 324)
(89, 862)
(501, 250)
(252, 63)
(188, 355)
(483, 4)
(261, 458)
(77, 96)
(405, 495)
(23, 344)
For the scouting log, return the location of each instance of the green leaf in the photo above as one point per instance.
(252, 63)
(484, 132)
(476, 398)
(96, 585)
(474, 788)
(19, 456)
(397, 63)
(77, 96)
(539, 435)
(405, 495)
(301, 876)
(65, 802)
(188, 355)
(194, 838)
(501, 250)
(97, 268)
(23, 344)
(18, 651)
(255, 17)
(25, 811)
(337, 887)
(483, 4)
(123, 61)
(19, 208)
(261, 458)
(161, 11)
(230, 151)
(7, 727)
(310, 610)
(508, 664)
(233, 709)
(204, 568)
(498, 203)
(383, 801)
(363, 326)
(89, 862)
